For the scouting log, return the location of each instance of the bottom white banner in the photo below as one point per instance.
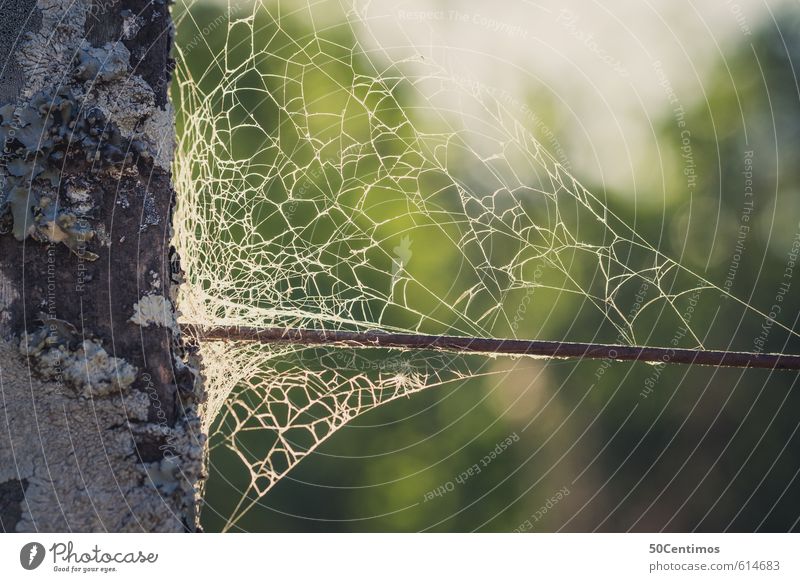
(331, 557)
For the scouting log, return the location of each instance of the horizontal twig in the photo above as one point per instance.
(547, 349)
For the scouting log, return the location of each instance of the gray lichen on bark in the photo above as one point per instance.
(101, 429)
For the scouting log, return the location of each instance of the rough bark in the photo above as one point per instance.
(98, 398)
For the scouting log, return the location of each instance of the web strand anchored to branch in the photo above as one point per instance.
(510, 347)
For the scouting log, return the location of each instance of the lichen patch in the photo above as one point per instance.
(101, 111)
(104, 64)
(8, 295)
(77, 459)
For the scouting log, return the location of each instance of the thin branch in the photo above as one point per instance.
(546, 349)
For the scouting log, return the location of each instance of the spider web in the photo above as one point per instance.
(323, 185)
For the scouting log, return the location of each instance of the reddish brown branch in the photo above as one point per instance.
(549, 349)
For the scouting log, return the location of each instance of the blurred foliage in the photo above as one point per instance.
(637, 447)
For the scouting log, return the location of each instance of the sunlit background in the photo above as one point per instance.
(684, 117)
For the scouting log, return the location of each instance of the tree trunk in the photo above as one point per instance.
(98, 396)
